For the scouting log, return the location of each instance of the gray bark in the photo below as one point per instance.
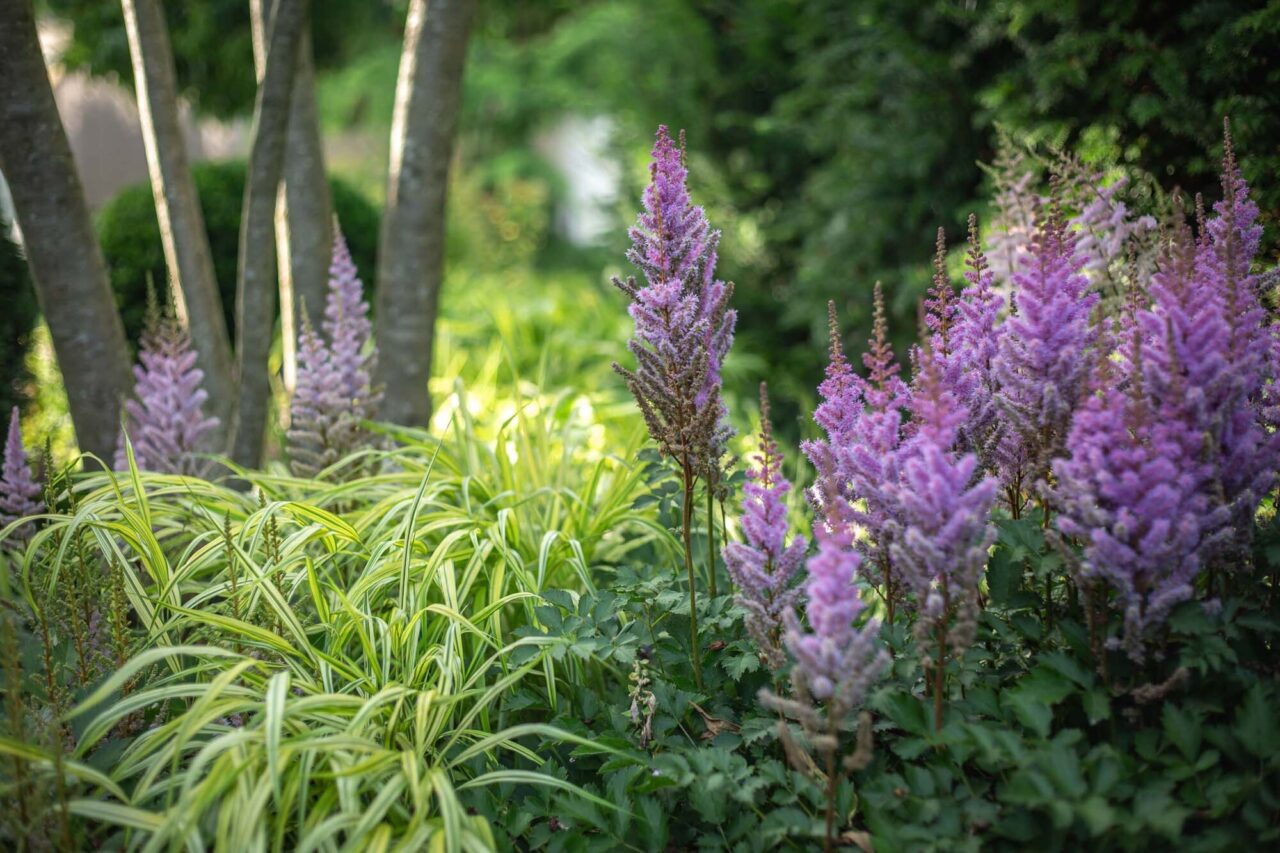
(304, 216)
(186, 243)
(62, 249)
(256, 279)
(411, 246)
(308, 214)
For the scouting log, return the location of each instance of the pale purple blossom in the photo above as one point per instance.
(942, 528)
(334, 392)
(763, 566)
(836, 661)
(683, 323)
(165, 419)
(1041, 362)
(19, 491)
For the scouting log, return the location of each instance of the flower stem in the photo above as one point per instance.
(711, 542)
(828, 843)
(686, 525)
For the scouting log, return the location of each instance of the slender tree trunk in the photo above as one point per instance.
(256, 280)
(304, 209)
(182, 231)
(62, 249)
(411, 247)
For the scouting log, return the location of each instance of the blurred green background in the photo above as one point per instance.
(827, 139)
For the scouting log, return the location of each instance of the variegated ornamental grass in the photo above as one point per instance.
(333, 674)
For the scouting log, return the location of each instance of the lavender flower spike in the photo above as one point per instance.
(19, 492)
(943, 529)
(683, 323)
(858, 462)
(1040, 365)
(334, 391)
(165, 420)
(835, 662)
(763, 566)
(1134, 491)
(346, 322)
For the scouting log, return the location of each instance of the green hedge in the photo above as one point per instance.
(130, 237)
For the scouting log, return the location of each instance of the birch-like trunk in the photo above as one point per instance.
(304, 210)
(256, 279)
(411, 246)
(61, 247)
(182, 232)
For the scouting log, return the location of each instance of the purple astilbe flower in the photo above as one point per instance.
(1041, 362)
(942, 529)
(857, 463)
(1105, 225)
(835, 664)
(165, 419)
(1246, 454)
(346, 322)
(975, 343)
(334, 390)
(763, 566)
(1133, 490)
(19, 491)
(320, 428)
(683, 323)
(835, 661)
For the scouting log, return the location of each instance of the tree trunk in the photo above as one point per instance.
(186, 243)
(62, 249)
(411, 246)
(304, 211)
(256, 279)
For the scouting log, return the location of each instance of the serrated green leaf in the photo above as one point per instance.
(1182, 729)
(1256, 724)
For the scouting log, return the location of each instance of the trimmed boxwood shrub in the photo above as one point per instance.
(130, 237)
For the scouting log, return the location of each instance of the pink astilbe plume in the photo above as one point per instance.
(942, 528)
(1133, 490)
(19, 491)
(1041, 362)
(1246, 454)
(764, 565)
(165, 420)
(975, 343)
(683, 323)
(346, 323)
(857, 463)
(334, 391)
(835, 661)
(1105, 225)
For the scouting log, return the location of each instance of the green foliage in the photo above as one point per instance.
(213, 46)
(130, 237)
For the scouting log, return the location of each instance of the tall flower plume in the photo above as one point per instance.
(165, 419)
(764, 565)
(346, 322)
(836, 662)
(1133, 489)
(975, 336)
(1040, 365)
(19, 491)
(943, 528)
(857, 463)
(334, 391)
(683, 322)
(1246, 455)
